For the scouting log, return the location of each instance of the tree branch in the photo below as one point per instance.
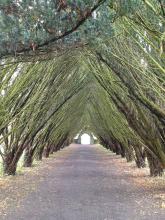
(56, 38)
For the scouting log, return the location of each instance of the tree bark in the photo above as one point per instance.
(10, 161)
(139, 157)
(39, 152)
(155, 166)
(117, 149)
(129, 154)
(8, 167)
(122, 150)
(28, 158)
(47, 150)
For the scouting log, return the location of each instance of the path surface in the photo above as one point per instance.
(84, 183)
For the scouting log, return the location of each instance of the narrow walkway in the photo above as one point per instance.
(84, 183)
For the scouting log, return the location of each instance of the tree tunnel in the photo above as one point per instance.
(70, 65)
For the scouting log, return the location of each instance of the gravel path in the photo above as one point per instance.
(87, 183)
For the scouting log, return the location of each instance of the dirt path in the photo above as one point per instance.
(86, 183)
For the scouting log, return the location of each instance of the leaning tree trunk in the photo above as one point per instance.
(129, 154)
(39, 153)
(154, 164)
(47, 150)
(29, 155)
(53, 149)
(104, 143)
(28, 158)
(117, 149)
(122, 150)
(112, 146)
(139, 157)
(9, 168)
(66, 143)
(109, 146)
(10, 161)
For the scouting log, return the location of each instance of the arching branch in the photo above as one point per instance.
(61, 36)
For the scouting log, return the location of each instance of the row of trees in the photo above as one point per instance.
(109, 79)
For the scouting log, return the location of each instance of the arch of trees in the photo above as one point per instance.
(68, 64)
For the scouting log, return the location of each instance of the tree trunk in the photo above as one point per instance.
(129, 154)
(11, 159)
(113, 148)
(10, 162)
(117, 148)
(47, 151)
(122, 151)
(53, 149)
(28, 158)
(8, 167)
(109, 146)
(139, 157)
(39, 153)
(67, 143)
(154, 165)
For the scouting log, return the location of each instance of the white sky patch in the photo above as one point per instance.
(30, 7)
(3, 92)
(143, 63)
(85, 139)
(94, 15)
(149, 48)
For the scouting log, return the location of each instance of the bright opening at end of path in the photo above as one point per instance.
(85, 139)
